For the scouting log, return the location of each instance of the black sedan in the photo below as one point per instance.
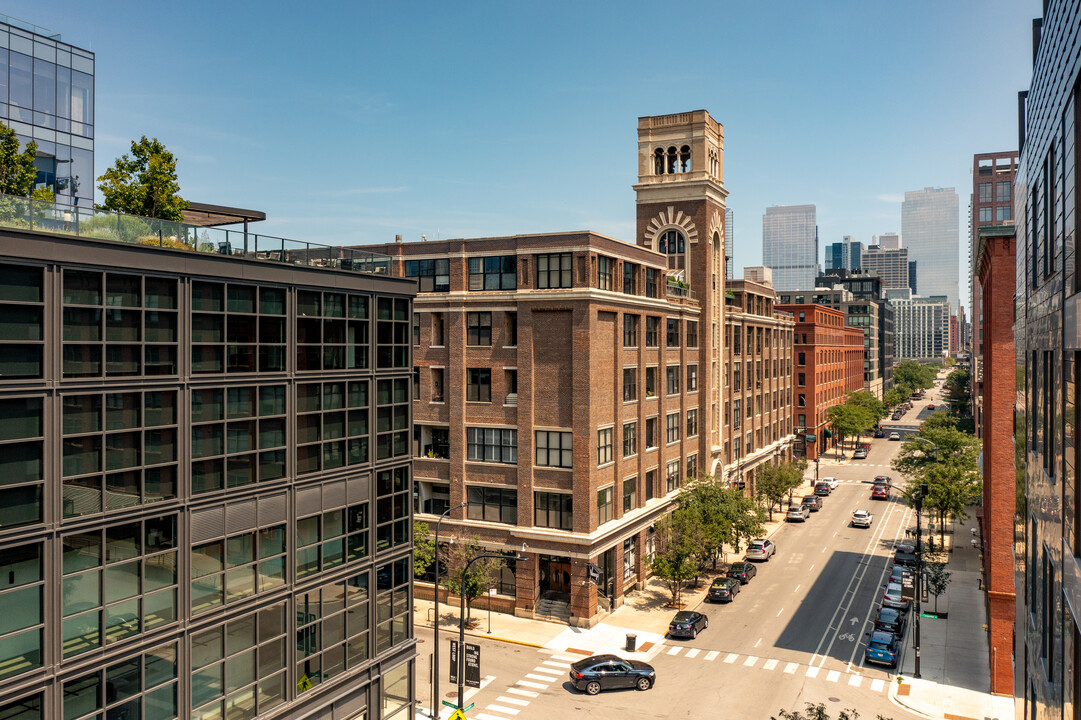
(723, 590)
(891, 621)
(610, 672)
(742, 571)
(687, 623)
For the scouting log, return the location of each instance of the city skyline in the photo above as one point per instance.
(440, 124)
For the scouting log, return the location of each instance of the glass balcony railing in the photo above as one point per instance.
(26, 214)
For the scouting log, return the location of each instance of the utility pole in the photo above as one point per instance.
(921, 493)
(435, 650)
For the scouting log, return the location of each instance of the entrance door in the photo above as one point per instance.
(555, 574)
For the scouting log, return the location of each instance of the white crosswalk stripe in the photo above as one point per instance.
(832, 676)
(527, 683)
(535, 676)
(563, 665)
(770, 664)
(812, 672)
(693, 652)
(502, 709)
(674, 651)
(877, 685)
(712, 655)
(526, 693)
(731, 658)
(855, 680)
(790, 668)
(750, 661)
(512, 701)
(486, 716)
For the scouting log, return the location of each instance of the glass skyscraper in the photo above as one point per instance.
(844, 255)
(929, 227)
(790, 246)
(47, 95)
(729, 242)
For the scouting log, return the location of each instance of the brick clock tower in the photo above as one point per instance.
(680, 208)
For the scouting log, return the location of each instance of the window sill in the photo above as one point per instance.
(630, 457)
(632, 401)
(437, 347)
(651, 397)
(651, 449)
(547, 467)
(433, 459)
(510, 347)
(437, 402)
(478, 402)
(610, 463)
(492, 463)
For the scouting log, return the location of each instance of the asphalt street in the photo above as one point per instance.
(795, 634)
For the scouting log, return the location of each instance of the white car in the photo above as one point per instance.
(832, 481)
(861, 518)
(761, 550)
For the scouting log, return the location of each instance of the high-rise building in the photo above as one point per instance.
(1047, 544)
(889, 241)
(890, 265)
(913, 277)
(929, 224)
(207, 479)
(790, 245)
(922, 325)
(844, 255)
(729, 242)
(49, 91)
(867, 287)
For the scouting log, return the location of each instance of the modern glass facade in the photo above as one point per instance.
(204, 503)
(929, 226)
(790, 245)
(729, 242)
(844, 255)
(47, 95)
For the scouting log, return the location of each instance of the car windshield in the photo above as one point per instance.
(893, 589)
(756, 545)
(683, 617)
(881, 640)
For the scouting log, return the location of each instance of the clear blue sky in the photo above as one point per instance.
(354, 122)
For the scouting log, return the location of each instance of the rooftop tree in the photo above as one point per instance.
(144, 183)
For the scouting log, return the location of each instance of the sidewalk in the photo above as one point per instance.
(954, 667)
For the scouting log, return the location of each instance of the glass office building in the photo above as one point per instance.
(929, 226)
(790, 245)
(204, 511)
(47, 95)
(844, 255)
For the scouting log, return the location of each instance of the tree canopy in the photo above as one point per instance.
(910, 376)
(17, 169)
(481, 574)
(851, 420)
(774, 482)
(144, 183)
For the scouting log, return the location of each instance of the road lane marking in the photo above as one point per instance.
(797, 588)
(877, 685)
(674, 651)
(811, 568)
(812, 672)
(693, 652)
(712, 655)
(527, 683)
(750, 661)
(832, 675)
(501, 709)
(512, 701)
(823, 549)
(855, 680)
(770, 664)
(779, 612)
(519, 691)
(731, 658)
(790, 668)
(757, 642)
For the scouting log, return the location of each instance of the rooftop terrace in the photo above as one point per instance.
(25, 214)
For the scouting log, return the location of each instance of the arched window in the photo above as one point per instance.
(658, 162)
(673, 245)
(685, 159)
(671, 169)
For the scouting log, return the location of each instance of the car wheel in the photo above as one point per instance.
(593, 687)
(643, 684)
(705, 624)
(694, 633)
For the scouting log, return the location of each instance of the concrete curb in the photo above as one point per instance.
(473, 633)
(896, 700)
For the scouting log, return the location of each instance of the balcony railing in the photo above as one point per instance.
(26, 214)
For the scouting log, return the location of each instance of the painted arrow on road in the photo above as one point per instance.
(854, 620)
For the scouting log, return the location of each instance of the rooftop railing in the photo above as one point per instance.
(26, 214)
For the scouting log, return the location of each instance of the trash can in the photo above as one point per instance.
(632, 642)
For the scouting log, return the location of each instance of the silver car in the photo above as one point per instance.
(761, 549)
(892, 597)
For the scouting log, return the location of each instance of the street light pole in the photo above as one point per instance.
(461, 620)
(920, 494)
(435, 650)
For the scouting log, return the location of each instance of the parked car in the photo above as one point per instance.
(610, 672)
(906, 546)
(882, 648)
(906, 559)
(687, 623)
(822, 488)
(814, 501)
(797, 513)
(831, 481)
(883, 480)
(761, 549)
(890, 620)
(880, 492)
(899, 573)
(861, 518)
(742, 571)
(895, 436)
(897, 415)
(723, 590)
(860, 454)
(891, 598)
(930, 407)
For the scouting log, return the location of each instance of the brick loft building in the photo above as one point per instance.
(758, 418)
(567, 383)
(828, 366)
(991, 204)
(205, 507)
(995, 257)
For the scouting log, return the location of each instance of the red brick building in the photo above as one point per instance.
(995, 264)
(566, 385)
(828, 365)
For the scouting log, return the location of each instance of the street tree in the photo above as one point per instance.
(951, 489)
(771, 486)
(17, 170)
(482, 573)
(850, 420)
(947, 460)
(676, 546)
(937, 578)
(423, 548)
(910, 376)
(864, 399)
(818, 712)
(893, 397)
(707, 499)
(746, 515)
(144, 183)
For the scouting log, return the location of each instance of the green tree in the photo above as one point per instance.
(876, 407)
(423, 548)
(947, 460)
(709, 501)
(677, 541)
(894, 397)
(910, 375)
(850, 420)
(746, 516)
(817, 712)
(480, 576)
(937, 578)
(17, 170)
(771, 486)
(144, 183)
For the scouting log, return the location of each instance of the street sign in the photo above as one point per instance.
(810, 437)
(908, 588)
(594, 573)
(457, 715)
(454, 661)
(472, 665)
